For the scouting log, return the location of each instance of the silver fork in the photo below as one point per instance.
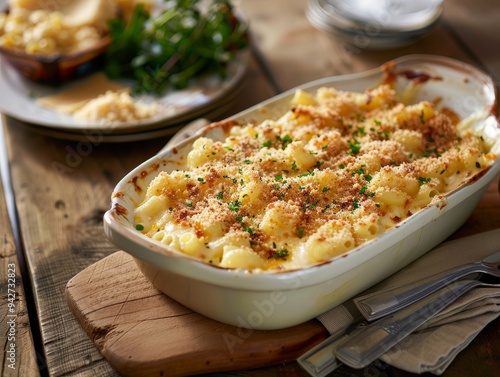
(381, 303)
(373, 340)
(365, 342)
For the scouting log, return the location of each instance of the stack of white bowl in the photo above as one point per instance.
(375, 24)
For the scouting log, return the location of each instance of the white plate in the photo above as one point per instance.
(18, 99)
(397, 16)
(367, 36)
(206, 95)
(104, 136)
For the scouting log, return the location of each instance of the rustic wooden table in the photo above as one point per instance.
(57, 229)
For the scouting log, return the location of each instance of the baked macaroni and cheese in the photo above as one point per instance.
(336, 170)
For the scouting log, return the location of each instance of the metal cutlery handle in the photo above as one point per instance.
(379, 304)
(359, 349)
(320, 361)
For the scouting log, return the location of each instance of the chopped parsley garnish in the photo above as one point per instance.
(249, 230)
(423, 180)
(359, 131)
(234, 206)
(139, 227)
(220, 195)
(267, 143)
(280, 253)
(310, 206)
(300, 232)
(355, 146)
(359, 171)
(309, 174)
(355, 203)
(285, 140)
(327, 207)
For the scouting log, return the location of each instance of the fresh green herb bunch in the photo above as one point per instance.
(190, 38)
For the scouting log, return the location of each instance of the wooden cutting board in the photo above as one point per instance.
(142, 332)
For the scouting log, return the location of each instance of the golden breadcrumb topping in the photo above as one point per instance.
(336, 170)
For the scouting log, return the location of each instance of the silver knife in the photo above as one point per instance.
(360, 348)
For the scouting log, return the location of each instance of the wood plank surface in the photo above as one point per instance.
(143, 332)
(475, 24)
(19, 357)
(62, 188)
(129, 320)
(298, 54)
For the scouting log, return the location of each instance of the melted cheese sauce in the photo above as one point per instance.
(335, 171)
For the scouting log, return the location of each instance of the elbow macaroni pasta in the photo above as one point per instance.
(333, 172)
(42, 32)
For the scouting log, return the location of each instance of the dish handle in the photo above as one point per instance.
(189, 130)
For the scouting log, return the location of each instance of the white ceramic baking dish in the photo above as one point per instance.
(278, 300)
